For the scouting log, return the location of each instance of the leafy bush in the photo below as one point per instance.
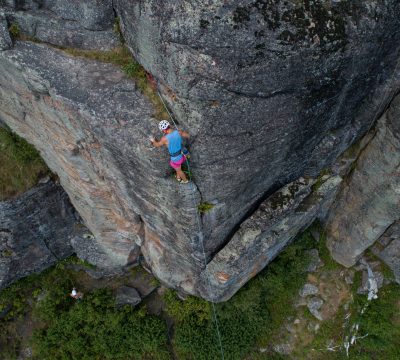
(95, 329)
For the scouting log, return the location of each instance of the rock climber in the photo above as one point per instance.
(173, 140)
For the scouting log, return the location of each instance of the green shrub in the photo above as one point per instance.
(95, 329)
(134, 70)
(14, 30)
(204, 207)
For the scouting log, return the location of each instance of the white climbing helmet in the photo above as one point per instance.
(163, 125)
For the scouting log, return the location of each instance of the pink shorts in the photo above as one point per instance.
(177, 164)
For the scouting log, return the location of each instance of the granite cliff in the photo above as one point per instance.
(273, 93)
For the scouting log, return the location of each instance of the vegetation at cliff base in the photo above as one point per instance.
(20, 163)
(95, 329)
(60, 327)
(63, 328)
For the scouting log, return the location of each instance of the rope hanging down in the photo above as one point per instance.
(201, 239)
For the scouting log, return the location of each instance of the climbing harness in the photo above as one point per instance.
(200, 237)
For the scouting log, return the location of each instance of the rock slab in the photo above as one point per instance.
(35, 231)
(369, 203)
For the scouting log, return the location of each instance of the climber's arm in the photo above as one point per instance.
(163, 141)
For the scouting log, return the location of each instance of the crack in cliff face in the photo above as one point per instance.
(264, 96)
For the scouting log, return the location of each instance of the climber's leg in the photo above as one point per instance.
(180, 174)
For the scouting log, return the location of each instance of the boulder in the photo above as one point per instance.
(91, 14)
(315, 261)
(92, 130)
(127, 296)
(387, 248)
(262, 236)
(308, 289)
(314, 304)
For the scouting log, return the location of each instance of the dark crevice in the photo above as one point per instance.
(253, 208)
(263, 96)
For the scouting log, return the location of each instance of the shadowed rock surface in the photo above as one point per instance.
(35, 231)
(71, 23)
(272, 92)
(369, 202)
(5, 40)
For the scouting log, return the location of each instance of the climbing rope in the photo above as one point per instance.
(214, 311)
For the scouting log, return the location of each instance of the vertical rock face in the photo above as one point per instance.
(92, 130)
(370, 200)
(271, 90)
(35, 231)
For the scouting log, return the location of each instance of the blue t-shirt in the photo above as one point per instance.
(174, 144)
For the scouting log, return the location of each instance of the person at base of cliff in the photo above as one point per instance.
(76, 294)
(173, 141)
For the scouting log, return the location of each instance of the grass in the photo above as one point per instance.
(20, 163)
(204, 207)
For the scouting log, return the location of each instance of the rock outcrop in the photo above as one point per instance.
(369, 202)
(272, 92)
(69, 23)
(5, 39)
(35, 231)
(390, 253)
